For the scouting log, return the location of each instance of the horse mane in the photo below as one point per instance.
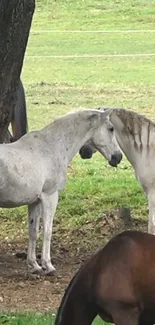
(71, 113)
(91, 261)
(130, 118)
(67, 291)
(128, 115)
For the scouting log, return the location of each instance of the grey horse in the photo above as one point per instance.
(34, 169)
(135, 135)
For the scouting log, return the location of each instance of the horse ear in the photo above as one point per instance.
(94, 117)
(107, 113)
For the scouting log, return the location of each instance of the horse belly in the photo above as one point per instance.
(10, 198)
(17, 191)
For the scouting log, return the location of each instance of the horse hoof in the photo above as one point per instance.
(50, 272)
(36, 271)
(22, 255)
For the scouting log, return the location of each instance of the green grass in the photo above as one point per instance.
(55, 86)
(33, 319)
(78, 43)
(108, 14)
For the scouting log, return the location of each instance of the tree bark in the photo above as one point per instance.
(15, 22)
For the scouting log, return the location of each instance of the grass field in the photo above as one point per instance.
(33, 319)
(60, 74)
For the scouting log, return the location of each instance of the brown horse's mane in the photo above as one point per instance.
(90, 261)
(67, 291)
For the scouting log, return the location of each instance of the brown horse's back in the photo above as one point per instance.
(125, 275)
(118, 283)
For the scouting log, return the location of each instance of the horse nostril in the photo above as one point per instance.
(115, 159)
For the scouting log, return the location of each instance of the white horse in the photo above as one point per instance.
(135, 135)
(33, 170)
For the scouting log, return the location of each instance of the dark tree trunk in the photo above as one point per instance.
(15, 22)
(8, 137)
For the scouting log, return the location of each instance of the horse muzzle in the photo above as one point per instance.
(115, 159)
(86, 152)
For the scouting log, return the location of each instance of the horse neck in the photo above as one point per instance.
(128, 148)
(75, 307)
(70, 133)
(133, 134)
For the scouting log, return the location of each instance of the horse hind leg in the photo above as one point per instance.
(34, 212)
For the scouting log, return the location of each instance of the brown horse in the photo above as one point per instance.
(117, 283)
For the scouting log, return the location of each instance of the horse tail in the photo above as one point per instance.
(19, 119)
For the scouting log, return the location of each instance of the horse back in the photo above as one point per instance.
(126, 270)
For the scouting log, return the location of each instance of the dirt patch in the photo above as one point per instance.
(20, 291)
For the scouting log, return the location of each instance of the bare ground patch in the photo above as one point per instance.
(20, 291)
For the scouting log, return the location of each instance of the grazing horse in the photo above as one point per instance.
(117, 283)
(19, 122)
(135, 135)
(34, 169)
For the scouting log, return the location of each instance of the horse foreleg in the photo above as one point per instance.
(151, 223)
(49, 204)
(34, 212)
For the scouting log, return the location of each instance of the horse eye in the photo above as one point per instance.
(111, 129)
